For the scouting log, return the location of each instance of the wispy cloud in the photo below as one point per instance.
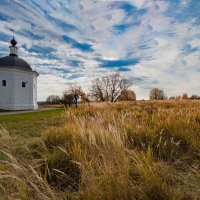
(153, 43)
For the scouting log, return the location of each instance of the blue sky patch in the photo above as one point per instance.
(117, 63)
(64, 71)
(126, 6)
(62, 24)
(31, 35)
(122, 28)
(74, 76)
(184, 13)
(81, 46)
(75, 63)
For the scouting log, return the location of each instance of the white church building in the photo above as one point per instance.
(18, 82)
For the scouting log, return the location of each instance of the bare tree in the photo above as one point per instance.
(98, 90)
(72, 95)
(67, 98)
(194, 96)
(109, 88)
(84, 97)
(157, 94)
(76, 93)
(127, 95)
(53, 99)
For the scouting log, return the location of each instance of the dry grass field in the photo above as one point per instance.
(125, 151)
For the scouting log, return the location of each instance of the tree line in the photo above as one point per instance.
(111, 88)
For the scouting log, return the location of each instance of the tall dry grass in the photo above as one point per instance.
(124, 151)
(19, 180)
(127, 151)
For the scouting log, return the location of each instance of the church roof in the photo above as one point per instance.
(15, 62)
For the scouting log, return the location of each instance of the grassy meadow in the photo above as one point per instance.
(144, 150)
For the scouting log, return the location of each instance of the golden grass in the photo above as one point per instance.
(139, 150)
(17, 180)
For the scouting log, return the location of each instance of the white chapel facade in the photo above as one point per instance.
(18, 82)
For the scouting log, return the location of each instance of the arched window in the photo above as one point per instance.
(23, 84)
(3, 82)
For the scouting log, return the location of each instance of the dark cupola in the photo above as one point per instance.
(13, 48)
(13, 41)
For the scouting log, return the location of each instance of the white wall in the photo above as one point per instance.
(15, 97)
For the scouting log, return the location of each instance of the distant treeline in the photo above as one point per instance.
(111, 88)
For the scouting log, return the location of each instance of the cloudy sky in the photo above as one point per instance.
(154, 43)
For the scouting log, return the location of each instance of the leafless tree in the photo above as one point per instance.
(157, 94)
(109, 88)
(67, 98)
(53, 99)
(72, 95)
(84, 97)
(76, 92)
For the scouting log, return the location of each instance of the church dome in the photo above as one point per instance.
(14, 62)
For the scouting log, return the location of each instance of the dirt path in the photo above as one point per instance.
(26, 111)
